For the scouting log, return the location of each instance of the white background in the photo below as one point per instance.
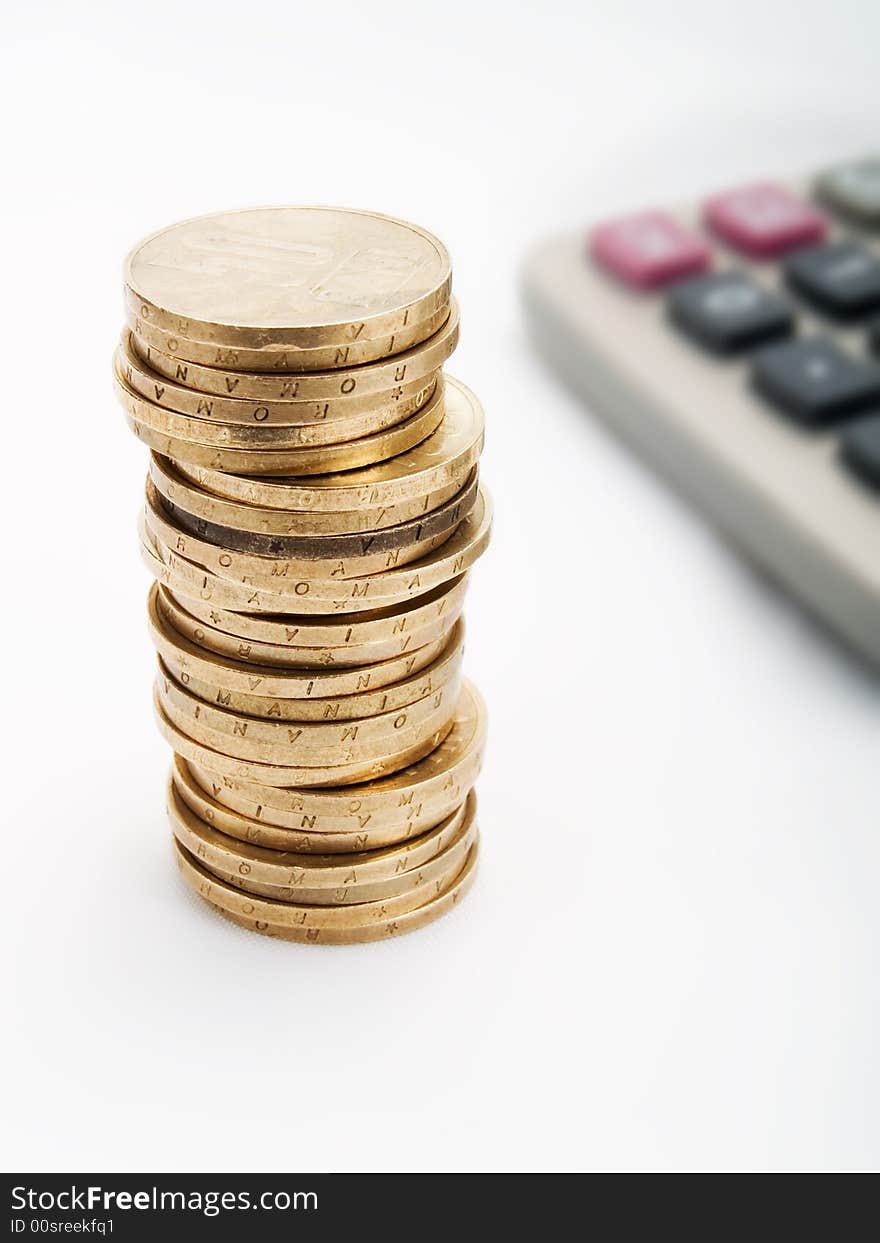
(670, 958)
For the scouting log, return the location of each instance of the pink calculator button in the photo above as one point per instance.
(648, 250)
(764, 220)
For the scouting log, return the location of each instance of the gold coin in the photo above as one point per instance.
(186, 580)
(284, 866)
(257, 570)
(325, 695)
(378, 930)
(307, 595)
(449, 453)
(434, 656)
(304, 842)
(290, 359)
(422, 880)
(301, 916)
(150, 424)
(287, 276)
(280, 875)
(409, 801)
(302, 742)
(405, 368)
(327, 547)
(289, 656)
(176, 488)
(349, 773)
(299, 760)
(291, 630)
(341, 419)
(355, 656)
(258, 437)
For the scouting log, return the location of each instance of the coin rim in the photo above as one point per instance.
(436, 521)
(324, 331)
(373, 377)
(433, 910)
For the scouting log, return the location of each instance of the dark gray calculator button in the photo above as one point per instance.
(728, 311)
(842, 278)
(861, 448)
(814, 381)
(854, 189)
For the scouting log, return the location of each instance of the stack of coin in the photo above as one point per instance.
(313, 507)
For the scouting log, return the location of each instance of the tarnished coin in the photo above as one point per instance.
(195, 500)
(156, 428)
(380, 377)
(449, 453)
(297, 695)
(264, 571)
(315, 595)
(253, 869)
(409, 801)
(287, 276)
(303, 842)
(327, 547)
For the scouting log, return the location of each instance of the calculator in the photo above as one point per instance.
(735, 343)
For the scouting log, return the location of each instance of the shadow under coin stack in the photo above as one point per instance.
(312, 511)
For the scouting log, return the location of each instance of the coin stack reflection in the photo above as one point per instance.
(312, 512)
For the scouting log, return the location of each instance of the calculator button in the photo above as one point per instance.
(764, 220)
(648, 250)
(727, 311)
(842, 278)
(814, 381)
(854, 189)
(861, 448)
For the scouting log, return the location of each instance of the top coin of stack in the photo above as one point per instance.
(285, 367)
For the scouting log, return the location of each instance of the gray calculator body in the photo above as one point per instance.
(781, 491)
